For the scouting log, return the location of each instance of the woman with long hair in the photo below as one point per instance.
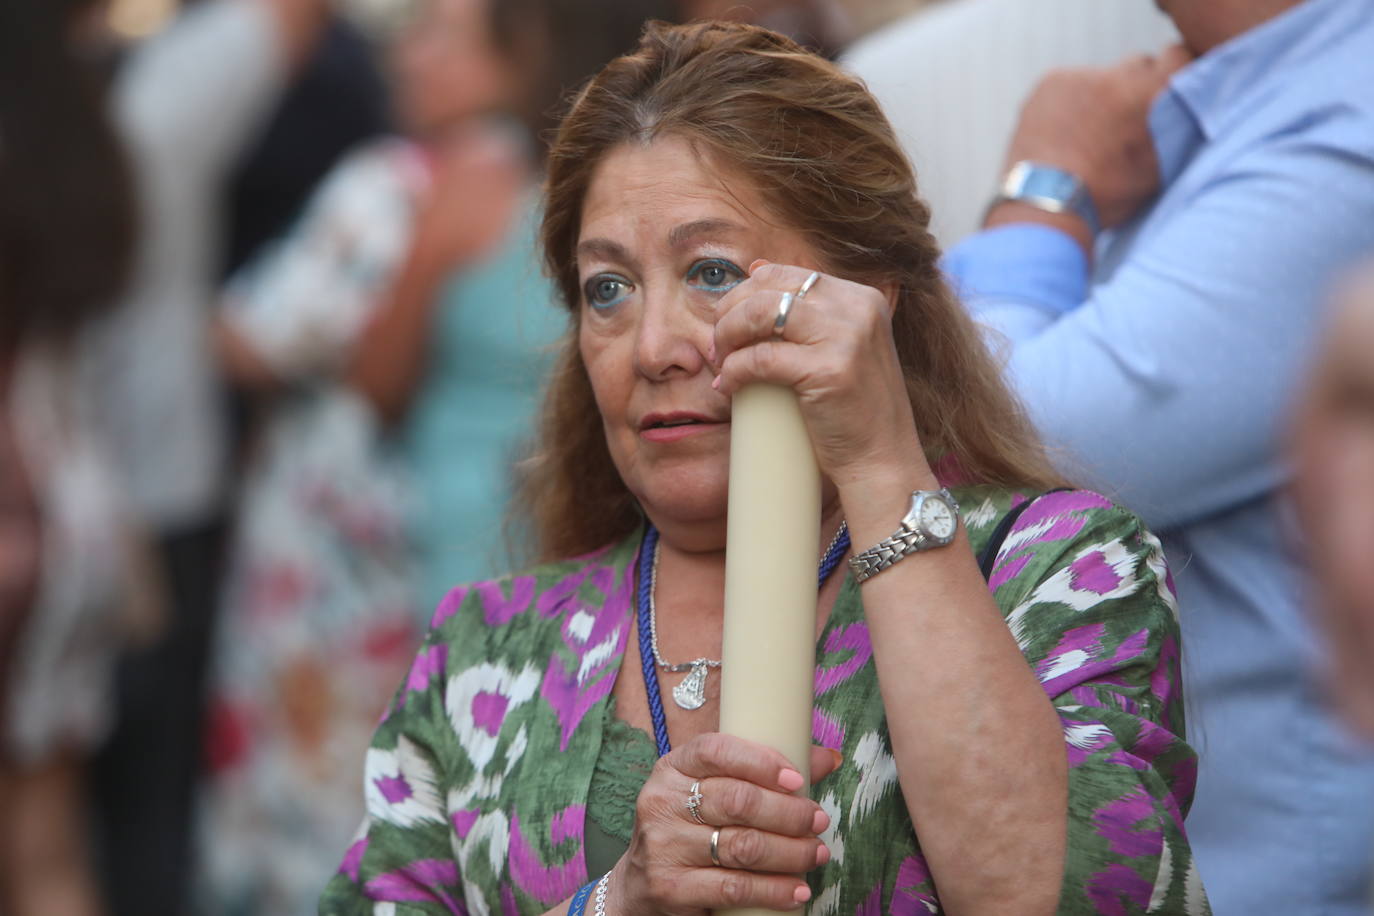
(997, 706)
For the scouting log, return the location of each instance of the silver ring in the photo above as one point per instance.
(715, 848)
(694, 803)
(810, 282)
(784, 309)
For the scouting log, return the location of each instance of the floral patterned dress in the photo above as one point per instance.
(477, 780)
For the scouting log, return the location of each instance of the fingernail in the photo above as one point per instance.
(819, 821)
(715, 383)
(759, 262)
(839, 758)
(790, 780)
(822, 854)
(802, 894)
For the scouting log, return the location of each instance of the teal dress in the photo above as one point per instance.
(494, 337)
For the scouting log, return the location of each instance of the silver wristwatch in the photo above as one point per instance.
(931, 522)
(1051, 189)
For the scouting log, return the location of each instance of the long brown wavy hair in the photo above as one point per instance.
(815, 145)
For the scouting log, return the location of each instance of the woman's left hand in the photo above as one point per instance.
(836, 351)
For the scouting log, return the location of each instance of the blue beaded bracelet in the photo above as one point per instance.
(579, 902)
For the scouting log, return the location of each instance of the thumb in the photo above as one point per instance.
(824, 761)
(1173, 59)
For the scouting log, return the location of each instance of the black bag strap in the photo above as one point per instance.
(988, 558)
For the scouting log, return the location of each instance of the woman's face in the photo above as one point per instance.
(665, 234)
(446, 66)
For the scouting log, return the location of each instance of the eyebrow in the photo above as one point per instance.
(679, 236)
(604, 249)
(607, 250)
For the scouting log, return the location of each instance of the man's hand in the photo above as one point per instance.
(1095, 124)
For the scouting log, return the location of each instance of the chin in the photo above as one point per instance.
(689, 508)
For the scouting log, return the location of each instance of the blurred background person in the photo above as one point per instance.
(1233, 179)
(952, 76)
(186, 103)
(398, 340)
(1334, 486)
(824, 26)
(67, 551)
(335, 101)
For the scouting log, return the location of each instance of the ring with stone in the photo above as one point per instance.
(784, 309)
(715, 848)
(694, 803)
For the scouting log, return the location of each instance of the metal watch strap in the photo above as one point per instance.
(1048, 188)
(903, 542)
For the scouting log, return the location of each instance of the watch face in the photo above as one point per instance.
(937, 518)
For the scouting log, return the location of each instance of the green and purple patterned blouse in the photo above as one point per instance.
(478, 779)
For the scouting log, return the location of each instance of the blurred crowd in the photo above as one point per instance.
(273, 332)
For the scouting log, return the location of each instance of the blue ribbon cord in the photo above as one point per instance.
(579, 902)
(647, 548)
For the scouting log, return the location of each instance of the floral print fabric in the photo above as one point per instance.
(477, 779)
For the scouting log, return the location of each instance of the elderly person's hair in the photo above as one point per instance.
(812, 142)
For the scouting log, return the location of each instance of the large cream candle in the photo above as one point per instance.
(768, 655)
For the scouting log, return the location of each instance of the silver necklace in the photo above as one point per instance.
(690, 693)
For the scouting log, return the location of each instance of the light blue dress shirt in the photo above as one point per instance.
(1165, 373)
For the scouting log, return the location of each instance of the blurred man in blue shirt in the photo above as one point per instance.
(1232, 180)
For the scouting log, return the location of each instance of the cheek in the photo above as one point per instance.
(607, 370)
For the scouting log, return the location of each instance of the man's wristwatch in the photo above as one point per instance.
(931, 522)
(1051, 189)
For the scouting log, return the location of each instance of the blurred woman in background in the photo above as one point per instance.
(67, 221)
(398, 336)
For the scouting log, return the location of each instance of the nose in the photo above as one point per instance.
(670, 340)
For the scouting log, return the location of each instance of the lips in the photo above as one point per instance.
(674, 420)
(675, 425)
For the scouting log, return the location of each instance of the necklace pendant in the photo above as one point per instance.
(691, 693)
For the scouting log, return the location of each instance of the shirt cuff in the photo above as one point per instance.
(1022, 263)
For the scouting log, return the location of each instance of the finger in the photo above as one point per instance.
(751, 319)
(734, 802)
(749, 312)
(727, 888)
(716, 754)
(824, 761)
(774, 361)
(759, 851)
(1173, 59)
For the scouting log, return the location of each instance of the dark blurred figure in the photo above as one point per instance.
(1334, 451)
(338, 100)
(821, 25)
(67, 230)
(186, 103)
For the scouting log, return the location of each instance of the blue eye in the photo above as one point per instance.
(606, 290)
(714, 275)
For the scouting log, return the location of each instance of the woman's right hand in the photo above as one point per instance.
(768, 836)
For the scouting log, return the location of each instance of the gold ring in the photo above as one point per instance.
(715, 848)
